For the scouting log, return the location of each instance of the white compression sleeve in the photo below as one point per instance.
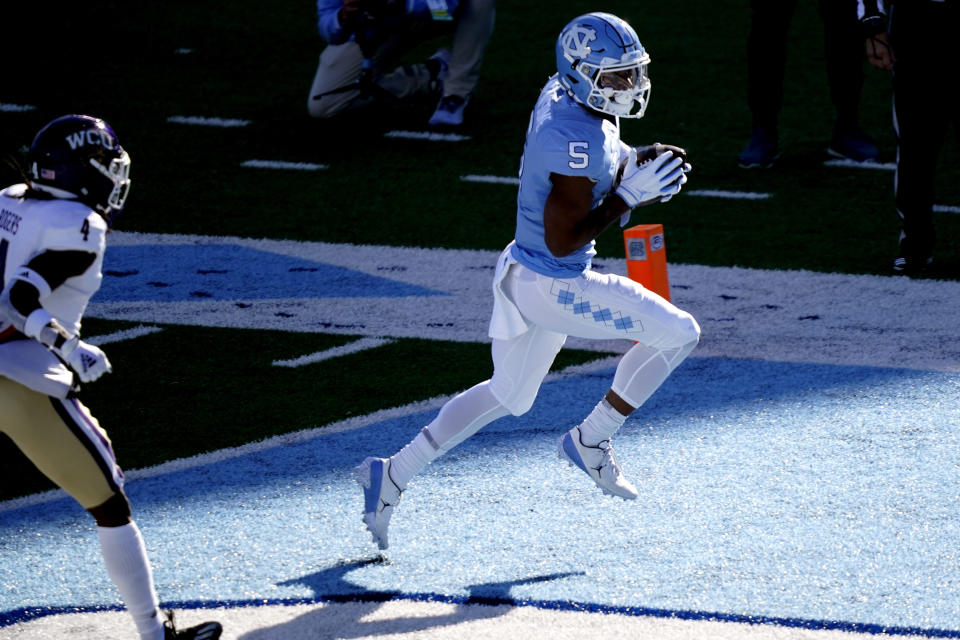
(643, 369)
(459, 418)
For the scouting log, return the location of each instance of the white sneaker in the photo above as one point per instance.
(449, 112)
(380, 495)
(597, 462)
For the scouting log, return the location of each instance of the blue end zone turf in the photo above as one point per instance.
(172, 273)
(803, 495)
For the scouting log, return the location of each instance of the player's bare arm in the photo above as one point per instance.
(568, 221)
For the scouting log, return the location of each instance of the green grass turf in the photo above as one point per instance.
(246, 63)
(138, 63)
(189, 390)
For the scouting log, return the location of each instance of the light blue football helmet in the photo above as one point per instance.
(602, 64)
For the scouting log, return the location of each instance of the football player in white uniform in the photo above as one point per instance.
(53, 231)
(576, 179)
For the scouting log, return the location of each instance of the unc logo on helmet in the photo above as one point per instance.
(575, 41)
(79, 156)
(602, 65)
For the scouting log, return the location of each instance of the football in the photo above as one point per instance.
(648, 153)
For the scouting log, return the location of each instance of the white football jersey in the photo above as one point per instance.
(29, 227)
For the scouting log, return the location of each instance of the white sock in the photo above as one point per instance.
(601, 424)
(126, 558)
(413, 458)
(458, 419)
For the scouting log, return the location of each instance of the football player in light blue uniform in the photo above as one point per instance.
(563, 139)
(577, 177)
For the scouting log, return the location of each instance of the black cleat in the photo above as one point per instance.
(204, 631)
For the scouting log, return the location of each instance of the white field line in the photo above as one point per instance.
(704, 193)
(13, 108)
(126, 334)
(887, 166)
(426, 135)
(353, 347)
(349, 424)
(208, 122)
(490, 179)
(852, 164)
(732, 195)
(283, 165)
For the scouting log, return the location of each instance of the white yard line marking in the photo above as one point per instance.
(886, 166)
(704, 193)
(426, 135)
(6, 106)
(126, 334)
(352, 347)
(281, 164)
(490, 179)
(208, 122)
(734, 195)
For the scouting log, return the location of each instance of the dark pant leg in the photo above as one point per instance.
(921, 113)
(767, 58)
(843, 41)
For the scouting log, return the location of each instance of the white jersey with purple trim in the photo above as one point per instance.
(565, 138)
(29, 227)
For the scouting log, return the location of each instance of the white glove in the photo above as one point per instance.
(660, 178)
(675, 187)
(88, 361)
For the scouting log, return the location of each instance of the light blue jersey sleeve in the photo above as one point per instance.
(567, 139)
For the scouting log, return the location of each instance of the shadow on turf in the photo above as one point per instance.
(331, 585)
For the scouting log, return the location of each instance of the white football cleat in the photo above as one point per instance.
(597, 462)
(380, 495)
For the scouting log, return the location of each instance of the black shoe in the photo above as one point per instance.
(761, 150)
(852, 144)
(205, 631)
(910, 265)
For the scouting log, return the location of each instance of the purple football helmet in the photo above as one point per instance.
(80, 156)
